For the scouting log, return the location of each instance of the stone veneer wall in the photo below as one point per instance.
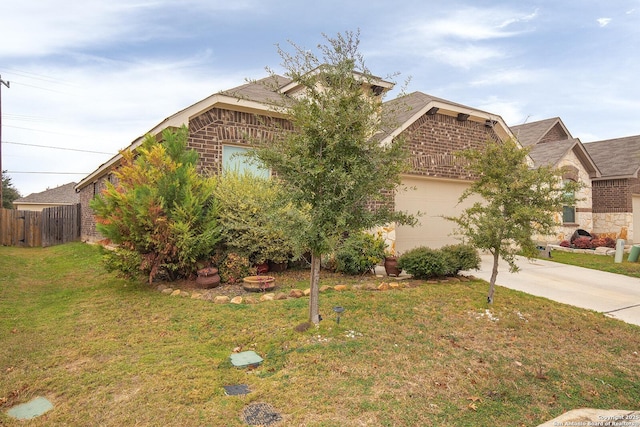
(617, 225)
(433, 140)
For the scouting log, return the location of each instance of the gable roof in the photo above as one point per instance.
(616, 158)
(252, 96)
(62, 195)
(550, 154)
(403, 111)
(532, 133)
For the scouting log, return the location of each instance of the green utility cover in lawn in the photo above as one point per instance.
(32, 409)
(246, 358)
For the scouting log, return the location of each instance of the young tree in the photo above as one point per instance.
(161, 212)
(9, 192)
(330, 162)
(518, 203)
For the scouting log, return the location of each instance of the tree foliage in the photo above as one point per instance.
(161, 212)
(9, 192)
(518, 202)
(331, 161)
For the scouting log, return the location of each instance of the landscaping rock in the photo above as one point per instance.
(175, 293)
(383, 287)
(196, 295)
(395, 285)
(221, 299)
(167, 291)
(161, 288)
(325, 288)
(236, 300)
(340, 288)
(296, 293)
(370, 287)
(267, 297)
(307, 292)
(250, 300)
(280, 296)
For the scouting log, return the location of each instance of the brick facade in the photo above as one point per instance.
(613, 195)
(216, 127)
(433, 140)
(556, 133)
(88, 230)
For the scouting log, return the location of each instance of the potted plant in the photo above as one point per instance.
(391, 261)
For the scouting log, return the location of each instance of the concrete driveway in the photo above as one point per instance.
(612, 294)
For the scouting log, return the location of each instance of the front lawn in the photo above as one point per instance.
(111, 352)
(598, 262)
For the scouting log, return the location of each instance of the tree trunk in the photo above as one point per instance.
(494, 275)
(314, 296)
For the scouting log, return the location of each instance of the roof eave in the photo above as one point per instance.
(503, 130)
(177, 120)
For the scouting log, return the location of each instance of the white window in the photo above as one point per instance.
(233, 159)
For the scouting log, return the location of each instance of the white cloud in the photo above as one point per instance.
(464, 37)
(603, 22)
(508, 77)
(510, 111)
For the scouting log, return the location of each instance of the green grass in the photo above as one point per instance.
(112, 352)
(598, 262)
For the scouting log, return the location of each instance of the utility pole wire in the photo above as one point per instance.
(58, 148)
(2, 82)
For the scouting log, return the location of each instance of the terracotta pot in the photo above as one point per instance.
(262, 268)
(208, 278)
(259, 283)
(391, 266)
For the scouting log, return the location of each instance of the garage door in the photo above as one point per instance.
(435, 199)
(634, 233)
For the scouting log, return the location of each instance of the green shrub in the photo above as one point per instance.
(461, 257)
(359, 253)
(233, 267)
(256, 218)
(424, 263)
(161, 213)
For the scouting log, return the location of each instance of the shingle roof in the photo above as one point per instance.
(400, 110)
(551, 153)
(618, 157)
(64, 194)
(531, 133)
(263, 90)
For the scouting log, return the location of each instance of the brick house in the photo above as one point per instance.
(616, 193)
(552, 145)
(224, 123)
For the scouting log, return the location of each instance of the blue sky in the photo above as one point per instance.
(94, 75)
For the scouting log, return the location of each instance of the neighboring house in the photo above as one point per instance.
(59, 196)
(224, 124)
(552, 145)
(616, 193)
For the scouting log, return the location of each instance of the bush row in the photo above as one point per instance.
(425, 263)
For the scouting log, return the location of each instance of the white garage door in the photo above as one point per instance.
(435, 199)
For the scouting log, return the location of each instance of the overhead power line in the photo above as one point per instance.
(50, 173)
(57, 148)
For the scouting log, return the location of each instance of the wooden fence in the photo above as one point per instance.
(52, 226)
